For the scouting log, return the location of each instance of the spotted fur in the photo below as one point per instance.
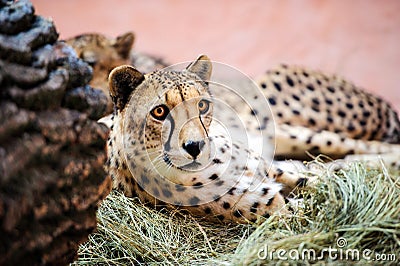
(149, 158)
(317, 113)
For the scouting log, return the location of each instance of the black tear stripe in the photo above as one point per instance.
(167, 145)
(202, 124)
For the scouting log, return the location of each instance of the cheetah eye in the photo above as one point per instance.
(160, 112)
(203, 106)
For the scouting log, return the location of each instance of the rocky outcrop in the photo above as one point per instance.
(51, 147)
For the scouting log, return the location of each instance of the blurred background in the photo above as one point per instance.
(358, 39)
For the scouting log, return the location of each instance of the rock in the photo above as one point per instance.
(61, 54)
(18, 48)
(59, 127)
(17, 153)
(14, 120)
(80, 72)
(22, 75)
(16, 17)
(4, 2)
(46, 95)
(51, 147)
(86, 99)
(92, 134)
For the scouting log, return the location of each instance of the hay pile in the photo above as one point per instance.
(352, 210)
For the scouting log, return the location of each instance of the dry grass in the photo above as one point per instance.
(359, 205)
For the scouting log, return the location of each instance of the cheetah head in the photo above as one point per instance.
(166, 116)
(102, 54)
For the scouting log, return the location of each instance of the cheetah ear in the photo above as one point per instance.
(123, 44)
(202, 67)
(122, 81)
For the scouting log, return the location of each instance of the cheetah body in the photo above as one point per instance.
(153, 159)
(326, 114)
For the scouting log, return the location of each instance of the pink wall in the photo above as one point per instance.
(357, 39)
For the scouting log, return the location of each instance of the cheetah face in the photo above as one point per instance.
(167, 116)
(184, 124)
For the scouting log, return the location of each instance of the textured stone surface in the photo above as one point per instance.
(46, 95)
(17, 17)
(22, 75)
(19, 47)
(79, 71)
(14, 120)
(51, 147)
(87, 99)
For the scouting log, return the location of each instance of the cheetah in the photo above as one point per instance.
(104, 53)
(167, 148)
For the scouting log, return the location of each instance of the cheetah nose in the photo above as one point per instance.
(193, 147)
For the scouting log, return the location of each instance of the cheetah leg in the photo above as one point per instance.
(261, 199)
(289, 179)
